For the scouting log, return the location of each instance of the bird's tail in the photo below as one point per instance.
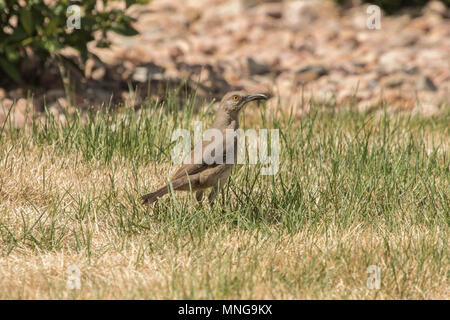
(181, 183)
(153, 196)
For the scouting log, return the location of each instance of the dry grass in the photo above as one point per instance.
(59, 209)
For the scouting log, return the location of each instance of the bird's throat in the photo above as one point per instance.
(225, 120)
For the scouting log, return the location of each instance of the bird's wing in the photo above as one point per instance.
(204, 161)
(191, 169)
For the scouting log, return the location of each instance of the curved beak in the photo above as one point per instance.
(256, 96)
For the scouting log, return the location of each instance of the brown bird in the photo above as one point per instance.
(212, 171)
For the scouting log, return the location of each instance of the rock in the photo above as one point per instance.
(54, 109)
(444, 77)
(393, 81)
(407, 39)
(432, 56)
(257, 68)
(99, 95)
(436, 8)
(16, 94)
(206, 46)
(358, 17)
(13, 114)
(348, 39)
(63, 102)
(94, 69)
(345, 95)
(426, 109)
(300, 13)
(310, 73)
(147, 72)
(23, 106)
(178, 49)
(350, 95)
(5, 104)
(426, 84)
(363, 94)
(369, 105)
(192, 15)
(372, 84)
(272, 10)
(98, 74)
(394, 98)
(409, 69)
(421, 24)
(431, 103)
(140, 74)
(394, 58)
(54, 94)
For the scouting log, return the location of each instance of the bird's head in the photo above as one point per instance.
(234, 101)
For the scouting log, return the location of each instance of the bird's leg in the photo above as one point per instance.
(199, 196)
(212, 195)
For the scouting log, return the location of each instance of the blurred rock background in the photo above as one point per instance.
(298, 51)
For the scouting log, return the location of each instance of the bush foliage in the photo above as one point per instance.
(39, 28)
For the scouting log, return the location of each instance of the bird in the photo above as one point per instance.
(210, 173)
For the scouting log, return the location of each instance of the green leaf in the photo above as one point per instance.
(125, 30)
(12, 53)
(18, 35)
(130, 3)
(51, 45)
(10, 70)
(143, 1)
(53, 25)
(26, 19)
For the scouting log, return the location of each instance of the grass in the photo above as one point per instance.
(353, 190)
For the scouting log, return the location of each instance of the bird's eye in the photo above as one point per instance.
(235, 98)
